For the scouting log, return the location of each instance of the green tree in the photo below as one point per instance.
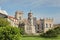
(57, 30)
(21, 26)
(9, 33)
(52, 33)
(3, 22)
(22, 31)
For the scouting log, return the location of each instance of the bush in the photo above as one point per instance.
(3, 22)
(57, 30)
(49, 34)
(9, 33)
(52, 33)
(22, 31)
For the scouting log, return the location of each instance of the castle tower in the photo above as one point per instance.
(19, 15)
(30, 29)
(30, 18)
(46, 24)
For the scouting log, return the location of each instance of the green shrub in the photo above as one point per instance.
(52, 33)
(22, 31)
(9, 33)
(57, 30)
(3, 22)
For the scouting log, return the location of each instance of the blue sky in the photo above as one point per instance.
(39, 8)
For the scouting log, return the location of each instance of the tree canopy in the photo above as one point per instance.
(52, 33)
(3, 22)
(8, 32)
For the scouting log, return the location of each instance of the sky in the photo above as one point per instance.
(39, 8)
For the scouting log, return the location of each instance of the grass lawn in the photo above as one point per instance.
(39, 38)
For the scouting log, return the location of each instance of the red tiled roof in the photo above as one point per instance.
(12, 18)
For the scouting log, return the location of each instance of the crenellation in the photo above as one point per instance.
(47, 24)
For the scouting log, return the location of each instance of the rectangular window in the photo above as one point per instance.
(46, 25)
(42, 26)
(50, 25)
(20, 18)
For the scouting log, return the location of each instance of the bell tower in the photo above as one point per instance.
(30, 18)
(30, 23)
(19, 15)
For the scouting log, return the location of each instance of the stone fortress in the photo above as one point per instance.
(31, 25)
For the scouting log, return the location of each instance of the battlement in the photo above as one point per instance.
(19, 15)
(46, 19)
(19, 12)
